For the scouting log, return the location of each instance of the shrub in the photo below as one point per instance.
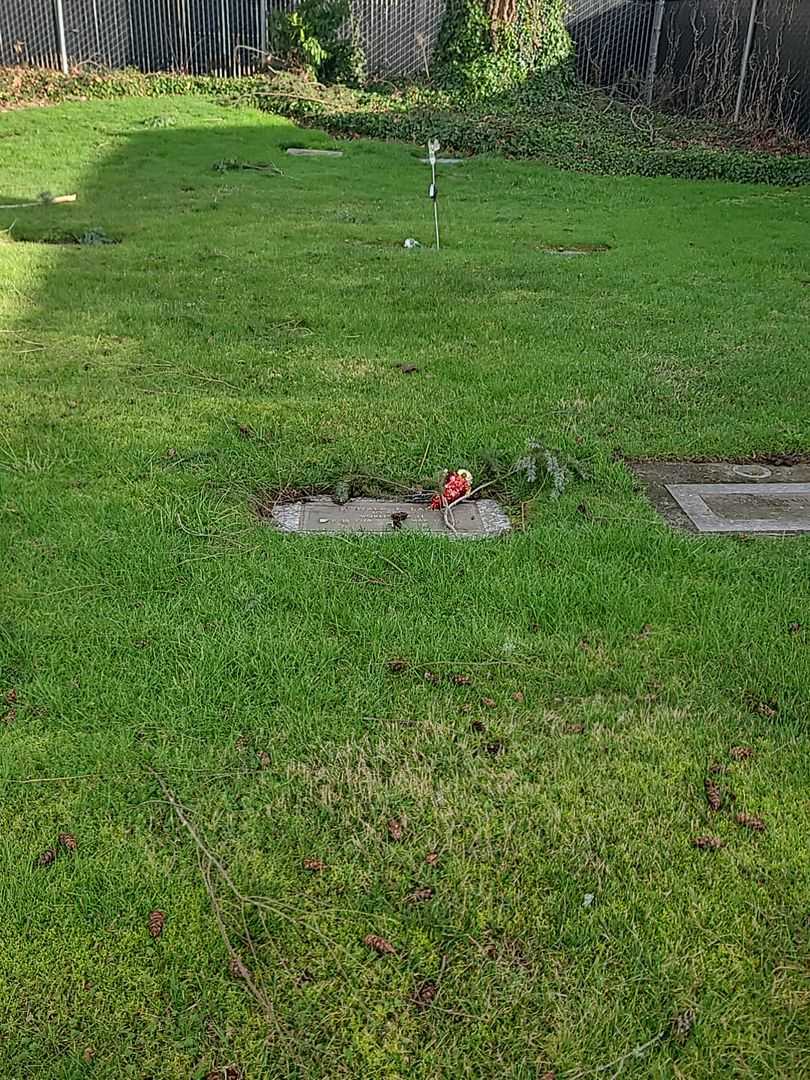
(312, 39)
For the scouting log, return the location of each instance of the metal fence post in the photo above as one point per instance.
(263, 29)
(652, 60)
(752, 22)
(60, 35)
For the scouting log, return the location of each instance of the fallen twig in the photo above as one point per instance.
(233, 955)
(637, 1051)
(259, 903)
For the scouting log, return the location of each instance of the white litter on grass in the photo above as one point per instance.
(410, 243)
(588, 899)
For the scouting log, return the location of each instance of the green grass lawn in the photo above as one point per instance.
(149, 619)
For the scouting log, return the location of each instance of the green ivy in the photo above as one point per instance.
(485, 57)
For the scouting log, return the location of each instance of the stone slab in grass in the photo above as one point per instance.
(731, 497)
(478, 519)
(305, 151)
(573, 250)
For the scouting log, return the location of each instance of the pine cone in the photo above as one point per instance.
(157, 920)
(395, 830)
(741, 753)
(767, 709)
(432, 858)
(713, 797)
(314, 865)
(750, 821)
(432, 677)
(68, 842)
(707, 843)
(682, 1025)
(10, 696)
(379, 945)
(46, 857)
(425, 994)
(488, 702)
(461, 680)
(396, 667)
(419, 896)
(9, 716)
(237, 968)
(716, 768)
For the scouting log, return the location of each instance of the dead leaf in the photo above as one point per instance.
(713, 796)
(432, 858)
(264, 759)
(519, 697)
(707, 843)
(88, 1055)
(171, 452)
(750, 821)
(419, 896)
(395, 829)
(157, 920)
(379, 945)
(741, 753)
(315, 865)
(488, 702)
(425, 994)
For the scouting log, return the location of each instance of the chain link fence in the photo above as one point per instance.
(218, 37)
(690, 55)
(716, 59)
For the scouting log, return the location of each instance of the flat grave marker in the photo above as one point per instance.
(475, 519)
(730, 497)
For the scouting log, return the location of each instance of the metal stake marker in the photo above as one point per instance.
(433, 191)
